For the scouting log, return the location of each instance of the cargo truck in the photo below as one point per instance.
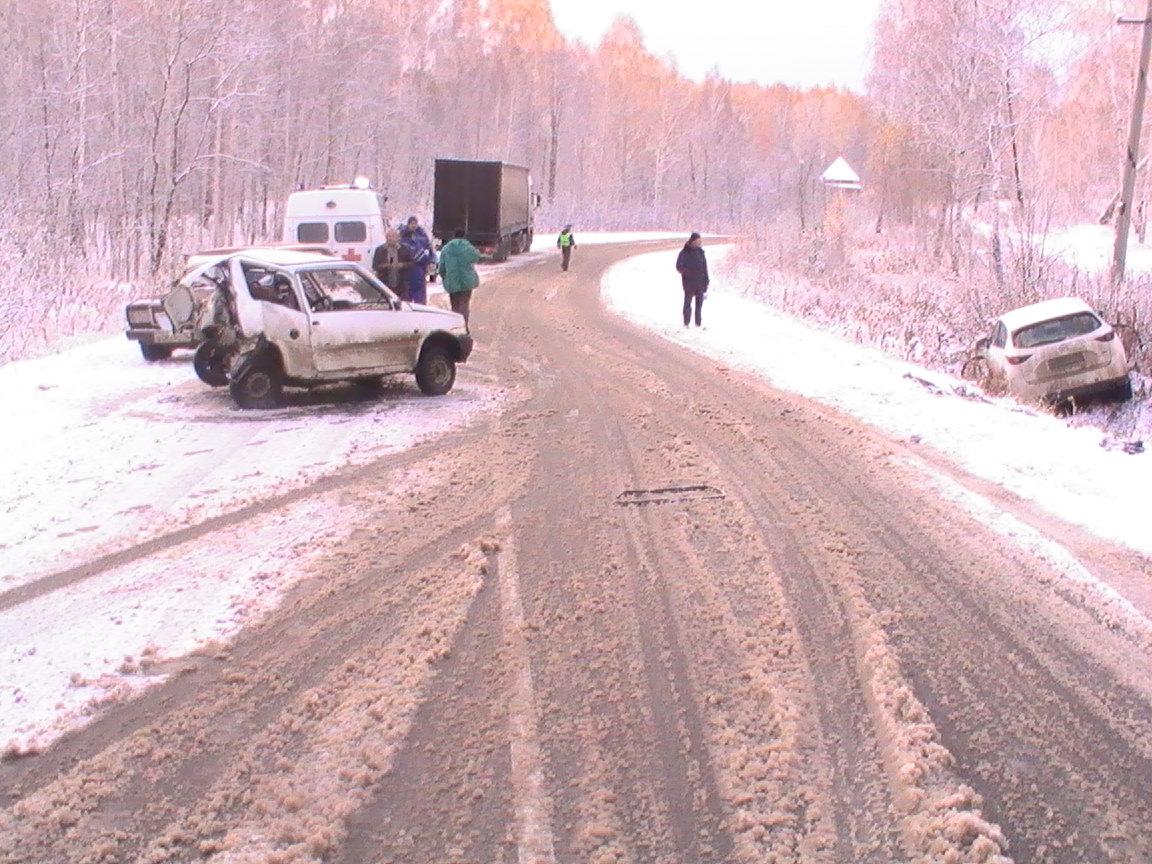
(492, 202)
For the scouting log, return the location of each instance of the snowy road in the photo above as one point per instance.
(816, 657)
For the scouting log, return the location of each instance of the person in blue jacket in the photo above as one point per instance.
(418, 245)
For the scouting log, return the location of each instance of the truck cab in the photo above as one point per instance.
(347, 219)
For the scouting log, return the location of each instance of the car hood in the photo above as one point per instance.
(446, 314)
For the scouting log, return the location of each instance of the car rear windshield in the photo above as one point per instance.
(351, 232)
(1056, 330)
(312, 232)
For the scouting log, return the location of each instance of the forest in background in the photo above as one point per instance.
(136, 132)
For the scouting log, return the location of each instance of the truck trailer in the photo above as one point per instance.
(492, 202)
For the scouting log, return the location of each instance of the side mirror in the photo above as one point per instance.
(983, 344)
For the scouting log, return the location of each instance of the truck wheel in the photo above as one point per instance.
(1123, 392)
(152, 353)
(436, 371)
(259, 386)
(211, 365)
(502, 250)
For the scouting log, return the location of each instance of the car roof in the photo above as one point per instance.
(1044, 311)
(289, 257)
(282, 255)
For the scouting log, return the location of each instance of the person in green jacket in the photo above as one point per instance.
(566, 242)
(458, 273)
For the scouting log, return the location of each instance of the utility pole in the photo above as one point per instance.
(1124, 220)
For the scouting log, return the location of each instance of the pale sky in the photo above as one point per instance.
(790, 41)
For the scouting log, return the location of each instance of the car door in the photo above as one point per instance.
(355, 325)
(284, 321)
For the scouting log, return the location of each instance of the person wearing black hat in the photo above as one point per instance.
(693, 269)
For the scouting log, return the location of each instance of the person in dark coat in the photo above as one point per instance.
(415, 240)
(388, 263)
(692, 266)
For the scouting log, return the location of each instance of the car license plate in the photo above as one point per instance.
(1067, 363)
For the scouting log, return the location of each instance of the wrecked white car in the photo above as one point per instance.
(299, 319)
(1056, 352)
(150, 322)
(161, 325)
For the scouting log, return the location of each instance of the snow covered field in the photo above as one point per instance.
(1063, 470)
(1089, 247)
(103, 453)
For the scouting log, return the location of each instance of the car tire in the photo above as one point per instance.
(210, 365)
(258, 387)
(152, 353)
(436, 371)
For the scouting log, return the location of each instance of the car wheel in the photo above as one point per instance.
(436, 371)
(152, 353)
(257, 387)
(975, 369)
(211, 365)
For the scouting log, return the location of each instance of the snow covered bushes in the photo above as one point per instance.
(50, 291)
(894, 290)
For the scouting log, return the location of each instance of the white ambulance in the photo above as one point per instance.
(348, 219)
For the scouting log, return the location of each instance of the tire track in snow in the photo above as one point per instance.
(533, 806)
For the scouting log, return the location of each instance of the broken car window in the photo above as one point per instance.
(344, 288)
(270, 286)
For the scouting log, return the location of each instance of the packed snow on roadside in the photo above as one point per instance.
(546, 240)
(1062, 469)
(105, 452)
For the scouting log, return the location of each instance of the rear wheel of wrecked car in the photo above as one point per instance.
(211, 365)
(436, 371)
(152, 353)
(257, 387)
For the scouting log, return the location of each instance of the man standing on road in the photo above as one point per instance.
(693, 269)
(566, 242)
(387, 263)
(419, 247)
(458, 272)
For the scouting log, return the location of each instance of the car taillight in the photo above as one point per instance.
(1016, 361)
(1107, 337)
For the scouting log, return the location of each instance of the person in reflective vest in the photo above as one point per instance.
(566, 242)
